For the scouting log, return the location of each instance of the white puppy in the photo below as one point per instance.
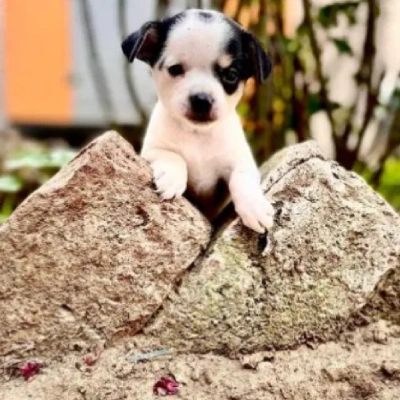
(200, 62)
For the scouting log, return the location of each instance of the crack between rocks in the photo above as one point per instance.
(225, 220)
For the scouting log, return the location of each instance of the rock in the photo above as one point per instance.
(251, 361)
(391, 370)
(334, 239)
(91, 255)
(384, 302)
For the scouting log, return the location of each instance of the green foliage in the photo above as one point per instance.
(24, 172)
(342, 46)
(328, 16)
(10, 184)
(54, 159)
(389, 184)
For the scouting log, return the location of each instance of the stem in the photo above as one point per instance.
(364, 78)
(317, 56)
(366, 72)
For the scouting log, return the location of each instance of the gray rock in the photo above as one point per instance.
(333, 240)
(91, 255)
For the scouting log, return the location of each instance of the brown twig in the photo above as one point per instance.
(364, 77)
(367, 69)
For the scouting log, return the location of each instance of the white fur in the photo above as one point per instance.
(185, 155)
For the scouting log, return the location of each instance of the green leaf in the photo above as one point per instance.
(10, 184)
(55, 159)
(291, 45)
(328, 15)
(61, 157)
(314, 103)
(6, 208)
(342, 46)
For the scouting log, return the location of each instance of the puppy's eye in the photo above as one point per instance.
(231, 76)
(176, 70)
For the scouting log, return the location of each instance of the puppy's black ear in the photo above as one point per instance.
(261, 64)
(144, 44)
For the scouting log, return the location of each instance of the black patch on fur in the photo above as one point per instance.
(147, 43)
(246, 47)
(240, 63)
(206, 16)
(221, 73)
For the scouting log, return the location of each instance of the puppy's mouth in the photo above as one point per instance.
(201, 118)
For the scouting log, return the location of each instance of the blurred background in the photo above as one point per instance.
(64, 80)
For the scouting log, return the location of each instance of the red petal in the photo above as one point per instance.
(30, 368)
(166, 384)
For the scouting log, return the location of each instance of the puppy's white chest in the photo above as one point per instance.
(206, 165)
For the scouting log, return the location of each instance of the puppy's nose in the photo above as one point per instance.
(201, 103)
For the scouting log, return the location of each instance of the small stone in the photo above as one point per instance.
(208, 377)
(380, 337)
(334, 373)
(82, 390)
(391, 370)
(253, 360)
(195, 375)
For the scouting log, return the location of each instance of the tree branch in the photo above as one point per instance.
(364, 78)
(308, 22)
(366, 72)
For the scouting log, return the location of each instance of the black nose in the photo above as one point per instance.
(201, 103)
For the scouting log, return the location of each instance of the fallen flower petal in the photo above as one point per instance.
(166, 386)
(30, 368)
(90, 359)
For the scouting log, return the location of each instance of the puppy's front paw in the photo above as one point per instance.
(256, 212)
(170, 179)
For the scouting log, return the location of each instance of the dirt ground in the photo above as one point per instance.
(364, 364)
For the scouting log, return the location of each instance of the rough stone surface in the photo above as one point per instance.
(90, 256)
(384, 302)
(333, 240)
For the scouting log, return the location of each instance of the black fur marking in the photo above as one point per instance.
(246, 46)
(147, 43)
(234, 47)
(240, 63)
(206, 16)
(223, 74)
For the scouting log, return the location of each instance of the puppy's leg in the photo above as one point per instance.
(253, 208)
(169, 172)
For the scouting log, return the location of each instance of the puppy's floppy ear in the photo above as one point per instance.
(260, 62)
(144, 44)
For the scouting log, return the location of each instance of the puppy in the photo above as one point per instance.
(200, 61)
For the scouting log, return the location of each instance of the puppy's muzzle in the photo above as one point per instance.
(201, 107)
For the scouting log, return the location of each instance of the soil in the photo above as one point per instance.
(364, 364)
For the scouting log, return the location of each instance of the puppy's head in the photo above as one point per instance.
(200, 61)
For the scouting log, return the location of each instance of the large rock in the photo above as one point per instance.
(333, 240)
(92, 254)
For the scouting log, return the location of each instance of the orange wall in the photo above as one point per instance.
(37, 60)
